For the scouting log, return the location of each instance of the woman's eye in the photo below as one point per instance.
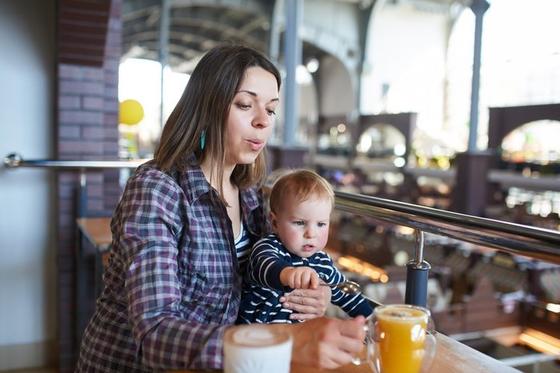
(244, 106)
(271, 112)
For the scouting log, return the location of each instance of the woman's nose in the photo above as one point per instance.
(262, 118)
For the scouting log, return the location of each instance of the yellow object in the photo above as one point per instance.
(131, 112)
(401, 333)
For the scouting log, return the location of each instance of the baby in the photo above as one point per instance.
(292, 258)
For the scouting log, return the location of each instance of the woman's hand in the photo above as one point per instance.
(307, 303)
(327, 343)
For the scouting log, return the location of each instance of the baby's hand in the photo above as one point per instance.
(299, 278)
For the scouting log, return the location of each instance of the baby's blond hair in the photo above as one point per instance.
(300, 184)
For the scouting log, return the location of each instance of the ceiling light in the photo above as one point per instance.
(312, 65)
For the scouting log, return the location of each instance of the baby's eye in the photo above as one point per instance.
(321, 224)
(299, 222)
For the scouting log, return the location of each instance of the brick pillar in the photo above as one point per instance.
(113, 52)
(89, 48)
(286, 157)
(471, 193)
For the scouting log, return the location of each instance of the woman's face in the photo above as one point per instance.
(251, 116)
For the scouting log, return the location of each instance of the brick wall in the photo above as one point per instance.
(89, 49)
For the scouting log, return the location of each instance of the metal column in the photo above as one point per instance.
(163, 51)
(478, 7)
(292, 58)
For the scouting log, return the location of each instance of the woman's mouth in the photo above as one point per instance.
(255, 144)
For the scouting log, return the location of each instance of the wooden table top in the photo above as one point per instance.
(451, 356)
(97, 230)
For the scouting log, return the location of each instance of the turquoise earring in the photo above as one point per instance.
(202, 140)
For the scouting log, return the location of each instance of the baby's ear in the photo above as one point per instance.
(273, 221)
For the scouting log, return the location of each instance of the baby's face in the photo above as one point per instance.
(303, 227)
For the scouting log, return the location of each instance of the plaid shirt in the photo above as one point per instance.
(172, 285)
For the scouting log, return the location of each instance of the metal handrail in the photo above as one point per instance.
(517, 239)
(13, 160)
(536, 243)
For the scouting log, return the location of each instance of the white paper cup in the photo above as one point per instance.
(257, 349)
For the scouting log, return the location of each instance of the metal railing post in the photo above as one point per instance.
(82, 195)
(417, 271)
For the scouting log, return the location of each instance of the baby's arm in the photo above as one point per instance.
(299, 278)
(265, 264)
(352, 304)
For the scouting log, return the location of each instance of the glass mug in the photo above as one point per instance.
(400, 338)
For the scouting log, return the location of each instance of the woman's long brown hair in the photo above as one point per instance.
(204, 106)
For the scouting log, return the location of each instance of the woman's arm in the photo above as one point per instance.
(148, 226)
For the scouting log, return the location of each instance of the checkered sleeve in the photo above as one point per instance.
(151, 225)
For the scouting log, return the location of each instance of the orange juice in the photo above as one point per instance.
(401, 334)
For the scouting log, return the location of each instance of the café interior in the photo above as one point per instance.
(436, 122)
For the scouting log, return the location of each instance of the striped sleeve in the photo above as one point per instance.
(266, 263)
(352, 304)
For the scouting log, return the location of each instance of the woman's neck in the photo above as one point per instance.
(211, 175)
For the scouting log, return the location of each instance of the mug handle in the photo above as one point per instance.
(430, 344)
(368, 345)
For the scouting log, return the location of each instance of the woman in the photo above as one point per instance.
(182, 229)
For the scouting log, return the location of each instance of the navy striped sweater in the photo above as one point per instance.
(262, 288)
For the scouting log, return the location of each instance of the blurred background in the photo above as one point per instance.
(451, 104)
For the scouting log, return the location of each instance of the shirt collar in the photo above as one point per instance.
(195, 185)
(192, 179)
(249, 198)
